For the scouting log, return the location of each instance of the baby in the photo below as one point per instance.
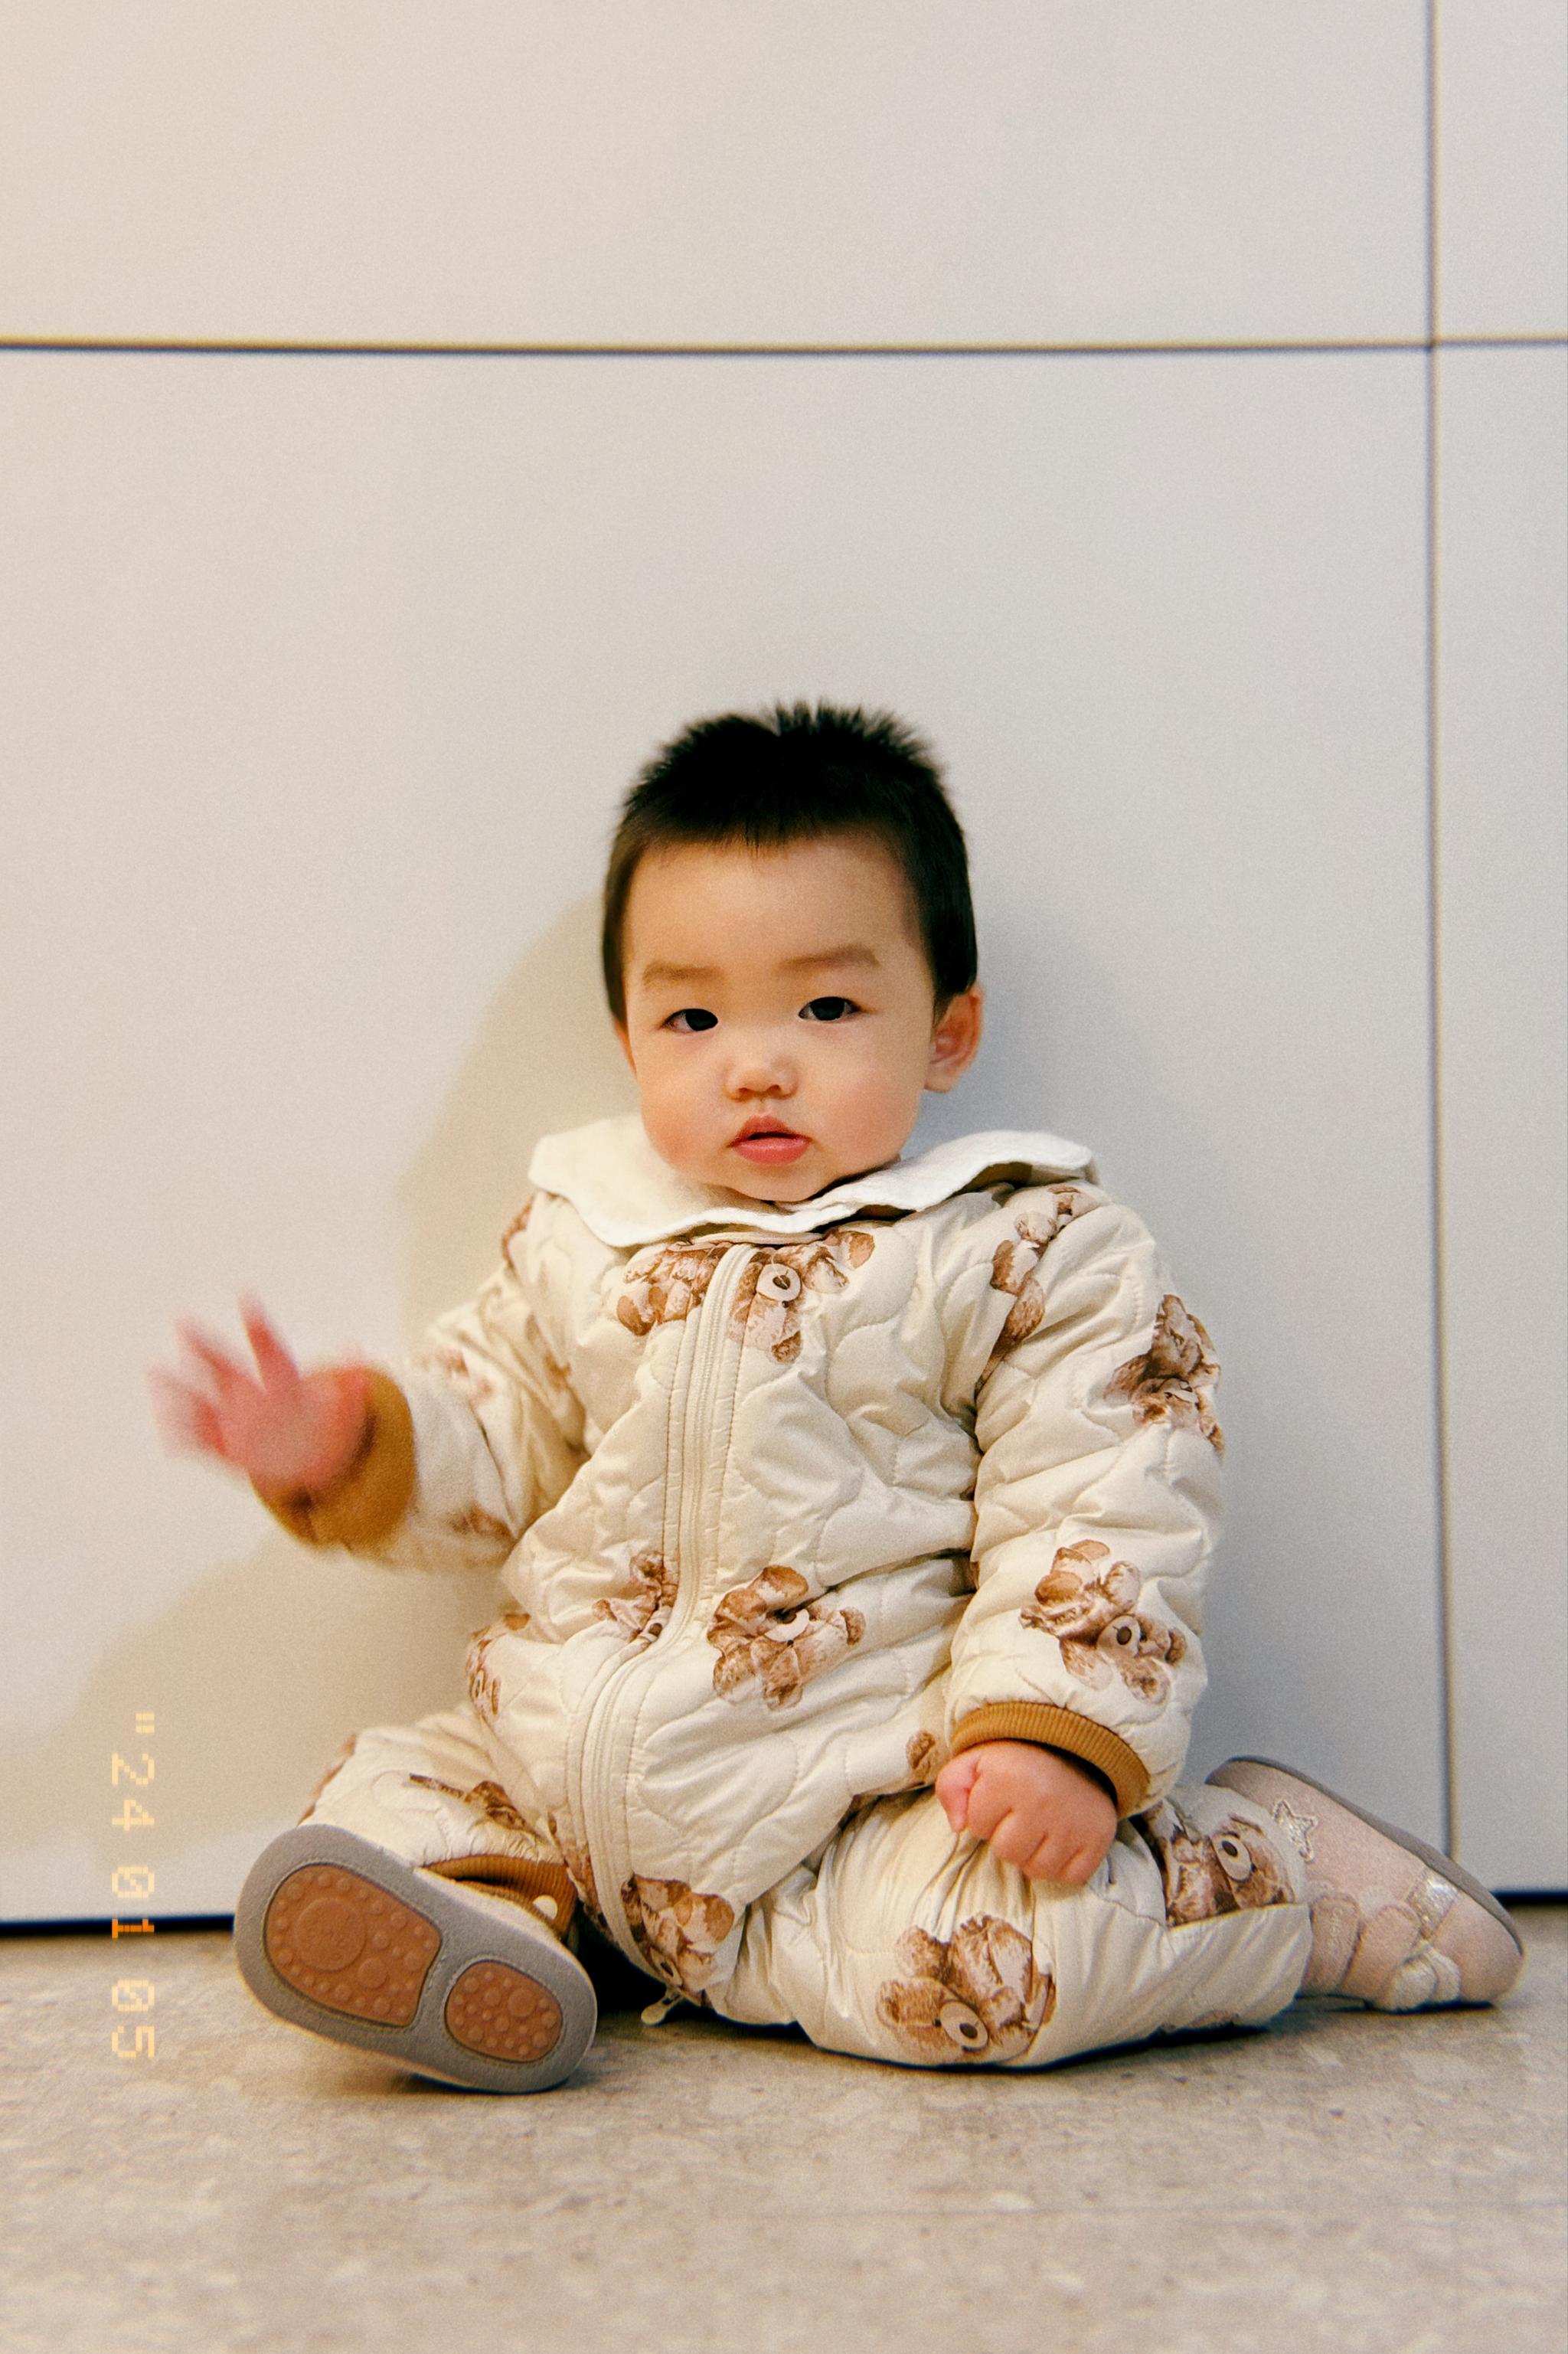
(854, 1513)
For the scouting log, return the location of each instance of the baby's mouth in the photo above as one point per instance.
(768, 1144)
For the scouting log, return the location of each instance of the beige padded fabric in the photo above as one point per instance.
(896, 1942)
(791, 1504)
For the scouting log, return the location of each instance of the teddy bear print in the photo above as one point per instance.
(343, 1754)
(483, 1688)
(476, 1522)
(665, 1283)
(1231, 1869)
(579, 1863)
(645, 1613)
(488, 1798)
(662, 1284)
(1013, 1264)
(517, 1225)
(772, 1291)
(1089, 1610)
(925, 1755)
(1172, 1381)
(981, 1997)
(677, 1931)
(440, 1357)
(769, 1635)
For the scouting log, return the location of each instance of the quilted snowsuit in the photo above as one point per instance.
(791, 1505)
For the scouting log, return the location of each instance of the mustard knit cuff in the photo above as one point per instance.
(1059, 1728)
(371, 1496)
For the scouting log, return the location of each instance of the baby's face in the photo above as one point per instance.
(780, 1013)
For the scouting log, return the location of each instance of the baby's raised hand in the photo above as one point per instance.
(290, 1433)
(1038, 1808)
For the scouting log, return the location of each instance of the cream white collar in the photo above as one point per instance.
(625, 1196)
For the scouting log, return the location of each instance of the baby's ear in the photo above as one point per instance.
(955, 1040)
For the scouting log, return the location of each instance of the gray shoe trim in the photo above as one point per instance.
(469, 1931)
(1443, 1865)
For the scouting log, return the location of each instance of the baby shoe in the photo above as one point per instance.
(1393, 1921)
(341, 1936)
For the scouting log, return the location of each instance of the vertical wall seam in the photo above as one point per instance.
(1441, 1428)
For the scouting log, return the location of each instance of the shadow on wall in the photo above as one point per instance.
(545, 1058)
(284, 1652)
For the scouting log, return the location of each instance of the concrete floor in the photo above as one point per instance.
(1342, 2181)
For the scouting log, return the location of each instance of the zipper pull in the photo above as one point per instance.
(658, 2012)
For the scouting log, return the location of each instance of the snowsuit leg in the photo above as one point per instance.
(440, 1793)
(904, 1943)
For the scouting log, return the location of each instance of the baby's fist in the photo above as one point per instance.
(1036, 1807)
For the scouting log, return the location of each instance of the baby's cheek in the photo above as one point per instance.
(875, 1117)
(673, 1128)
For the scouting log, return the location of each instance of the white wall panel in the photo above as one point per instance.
(699, 171)
(323, 677)
(1502, 180)
(1504, 870)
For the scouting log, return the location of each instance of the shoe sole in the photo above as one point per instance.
(343, 1938)
(1443, 1865)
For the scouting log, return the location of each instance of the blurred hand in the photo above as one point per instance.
(1036, 1807)
(290, 1433)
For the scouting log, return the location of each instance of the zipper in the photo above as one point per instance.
(604, 1753)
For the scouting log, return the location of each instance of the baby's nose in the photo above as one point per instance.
(759, 1068)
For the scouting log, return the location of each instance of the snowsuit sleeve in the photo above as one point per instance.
(479, 1435)
(1096, 1498)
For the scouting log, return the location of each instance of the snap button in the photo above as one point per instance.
(776, 1282)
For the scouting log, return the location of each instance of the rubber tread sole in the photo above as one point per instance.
(337, 1938)
(476, 1993)
(503, 2011)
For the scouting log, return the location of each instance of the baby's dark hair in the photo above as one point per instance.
(793, 774)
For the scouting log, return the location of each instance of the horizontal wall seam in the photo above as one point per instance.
(78, 346)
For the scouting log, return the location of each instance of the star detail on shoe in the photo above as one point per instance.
(1298, 1829)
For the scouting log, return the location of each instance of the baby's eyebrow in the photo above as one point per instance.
(659, 971)
(852, 952)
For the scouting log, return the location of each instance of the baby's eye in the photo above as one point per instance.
(690, 1018)
(828, 1009)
